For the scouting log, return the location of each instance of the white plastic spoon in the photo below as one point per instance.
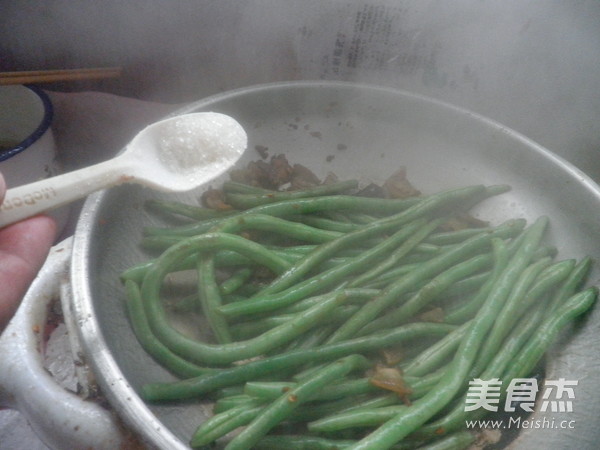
(176, 154)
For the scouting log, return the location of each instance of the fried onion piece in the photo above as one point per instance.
(255, 174)
(268, 175)
(398, 186)
(391, 379)
(462, 221)
(331, 178)
(280, 171)
(215, 199)
(302, 177)
(372, 190)
(433, 315)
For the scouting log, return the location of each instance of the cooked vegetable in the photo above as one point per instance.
(281, 408)
(303, 290)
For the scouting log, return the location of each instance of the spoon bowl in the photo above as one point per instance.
(177, 154)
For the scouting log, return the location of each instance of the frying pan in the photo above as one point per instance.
(355, 131)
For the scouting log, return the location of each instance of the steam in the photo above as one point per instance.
(531, 67)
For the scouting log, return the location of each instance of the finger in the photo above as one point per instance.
(2, 187)
(23, 250)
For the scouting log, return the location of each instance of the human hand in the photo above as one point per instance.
(86, 126)
(23, 249)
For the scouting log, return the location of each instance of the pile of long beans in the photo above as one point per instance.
(342, 321)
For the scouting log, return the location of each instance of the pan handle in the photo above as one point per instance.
(60, 418)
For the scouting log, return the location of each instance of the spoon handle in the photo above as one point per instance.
(31, 199)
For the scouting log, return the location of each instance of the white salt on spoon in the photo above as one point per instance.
(174, 155)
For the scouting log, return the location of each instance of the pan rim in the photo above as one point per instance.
(115, 387)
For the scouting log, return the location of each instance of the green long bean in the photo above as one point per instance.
(277, 297)
(137, 316)
(235, 281)
(395, 258)
(531, 353)
(243, 188)
(455, 441)
(249, 329)
(210, 299)
(247, 201)
(429, 292)
(271, 390)
(283, 407)
(370, 264)
(355, 295)
(223, 423)
(196, 386)
(260, 222)
(520, 353)
(427, 269)
(294, 208)
(423, 409)
(234, 401)
(373, 413)
(435, 355)
(327, 224)
(301, 442)
(571, 284)
(363, 418)
(235, 351)
(185, 210)
(466, 310)
(427, 205)
(537, 279)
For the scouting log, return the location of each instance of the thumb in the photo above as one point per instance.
(2, 188)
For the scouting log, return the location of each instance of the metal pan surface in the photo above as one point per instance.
(355, 131)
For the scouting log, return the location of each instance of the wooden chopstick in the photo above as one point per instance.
(50, 76)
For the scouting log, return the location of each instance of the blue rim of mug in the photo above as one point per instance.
(38, 132)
